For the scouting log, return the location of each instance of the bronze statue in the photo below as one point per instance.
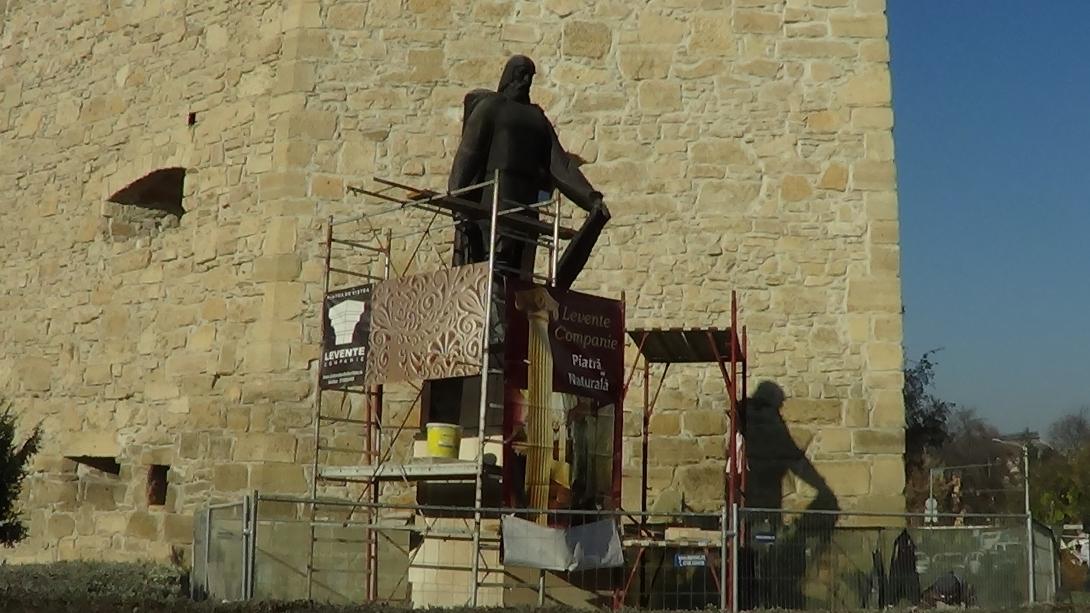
(504, 131)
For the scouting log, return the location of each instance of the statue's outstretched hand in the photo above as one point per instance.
(600, 205)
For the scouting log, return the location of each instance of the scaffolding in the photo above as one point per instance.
(727, 350)
(361, 250)
(346, 258)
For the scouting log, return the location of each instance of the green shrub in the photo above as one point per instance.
(13, 469)
(75, 581)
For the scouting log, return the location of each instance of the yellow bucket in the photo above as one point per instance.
(444, 440)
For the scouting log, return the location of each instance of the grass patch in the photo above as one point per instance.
(107, 587)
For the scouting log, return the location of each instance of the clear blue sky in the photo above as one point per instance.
(992, 108)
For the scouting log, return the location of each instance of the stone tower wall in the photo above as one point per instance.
(166, 344)
(741, 145)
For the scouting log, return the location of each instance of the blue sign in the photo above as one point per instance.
(682, 560)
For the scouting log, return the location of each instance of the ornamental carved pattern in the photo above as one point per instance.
(428, 326)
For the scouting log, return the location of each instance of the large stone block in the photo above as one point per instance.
(757, 22)
(129, 261)
(283, 267)
(659, 96)
(35, 374)
(160, 390)
(347, 16)
(697, 422)
(308, 43)
(289, 184)
(856, 413)
(60, 525)
(880, 118)
(644, 62)
(276, 391)
(278, 478)
(294, 77)
(795, 189)
(142, 525)
(881, 503)
(712, 35)
(673, 451)
(266, 357)
(812, 411)
(287, 332)
(888, 474)
(869, 26)
(811, 49)
(826, 121)
(327, 187)
(887, 408)
(878, 441)
(108, 524)
(655, 28)
(95, 443)
(718, 151)
(280, 237)
(103, 496)
(879, 145)
(846, 478)
(178, 528)
(870, 88)
(265, 447)
(188, 363)
(586, 39)
(520, 33)
(834, 441)
(874, 175)
(702, 486)
(282, 300)
(882, 294)
(883, 356)
(665, 424)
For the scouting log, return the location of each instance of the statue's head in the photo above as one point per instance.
(768, 395)
(517, 77)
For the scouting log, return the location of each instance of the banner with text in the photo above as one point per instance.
(586, 337)
(345, 338)
(585, 340)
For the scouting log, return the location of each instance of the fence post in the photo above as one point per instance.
(1054, 571)
(245, 546)
(207, 549)
(724, 559)
(252, 552)
(1030, 560)
(735, 535)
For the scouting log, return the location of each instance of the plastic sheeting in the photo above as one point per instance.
(585, 547)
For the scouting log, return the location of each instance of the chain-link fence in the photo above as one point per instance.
(280, 548)
(1046, 563)
(220, 547)
(850, 561)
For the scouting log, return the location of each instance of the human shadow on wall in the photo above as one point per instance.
(774, 559)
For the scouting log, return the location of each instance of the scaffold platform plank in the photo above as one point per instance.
(685, 345)
(416, 471)
(466, 208)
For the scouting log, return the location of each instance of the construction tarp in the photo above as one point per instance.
(593, 545)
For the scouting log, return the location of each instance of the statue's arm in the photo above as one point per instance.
(568, 178)
(472, 153)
